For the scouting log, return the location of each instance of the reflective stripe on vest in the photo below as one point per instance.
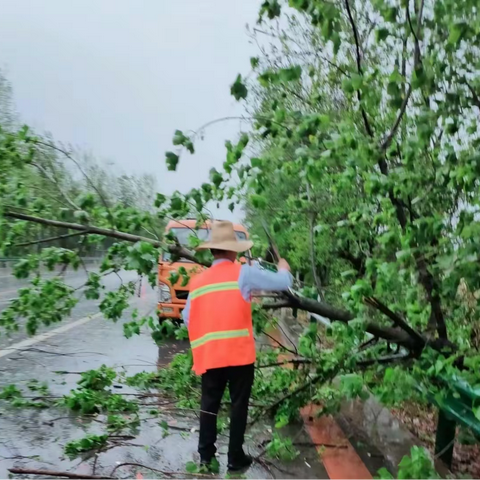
(215, 287)
(222, 335)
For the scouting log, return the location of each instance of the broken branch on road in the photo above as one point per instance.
(163, 472)
(53, 473)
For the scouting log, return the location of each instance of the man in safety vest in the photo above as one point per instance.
(219, 320)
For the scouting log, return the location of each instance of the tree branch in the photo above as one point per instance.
(416, 60)
(426, 278)
(299, 361)
(389, 138)
(414, 33)
(475, 99)
(301, 388)
(430, 285)
(368, 127)
(382, 360)
(50, 239)
(295, 301)
(70, 157)
(357, 262)
(55, 182)
(311, 220)
(396, 319)
(120, 465)
(275, 306)
(356, 38)
(394, 335)
(369, 343)
(320, 308)
(281, 345)
(89, 229)
(52, 473)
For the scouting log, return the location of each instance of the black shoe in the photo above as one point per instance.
(240, 464)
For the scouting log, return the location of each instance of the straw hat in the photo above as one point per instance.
(223, 238)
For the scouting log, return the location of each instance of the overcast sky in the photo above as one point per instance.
(117, 77)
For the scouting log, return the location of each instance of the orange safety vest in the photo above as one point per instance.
(220, 321)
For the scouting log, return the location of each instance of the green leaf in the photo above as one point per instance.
(256, 162)
(347, 85)
(214, 466)
(267, 77)
(290, 74)
(172, 161)
(271, 8)
(215, 177)
(299, 4)
(337, 42)
(254, 61)
(446, 262)
(393, 89)
(456, 32)
(160, 200)
(349, 273)
(238, 89)
(164, 425)
(390, 14)
(476, 412)
(383, 473)
(382, 34)
(178, 137)
(86, 201)
(191, 467)
(357, 81)
(258, 201)
(419, 78)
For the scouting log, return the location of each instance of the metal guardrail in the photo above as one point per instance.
(456, 408)
(16, 259)
(8, 262)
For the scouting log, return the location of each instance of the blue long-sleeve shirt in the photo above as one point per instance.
(253, 278)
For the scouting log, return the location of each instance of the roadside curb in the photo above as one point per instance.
(335, 451)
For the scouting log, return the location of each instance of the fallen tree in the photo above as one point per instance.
(364, 119)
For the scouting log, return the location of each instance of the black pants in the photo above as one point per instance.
(240, 381)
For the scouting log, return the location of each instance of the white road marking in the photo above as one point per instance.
(45, 336)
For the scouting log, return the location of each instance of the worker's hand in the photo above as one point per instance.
(283, 265)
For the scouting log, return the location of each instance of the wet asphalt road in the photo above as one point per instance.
(9, 286)
(33, 438)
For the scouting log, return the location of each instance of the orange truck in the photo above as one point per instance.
(173, 298)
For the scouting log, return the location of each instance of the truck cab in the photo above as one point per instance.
(173, 298)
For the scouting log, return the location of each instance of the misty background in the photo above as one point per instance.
(116, 78)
